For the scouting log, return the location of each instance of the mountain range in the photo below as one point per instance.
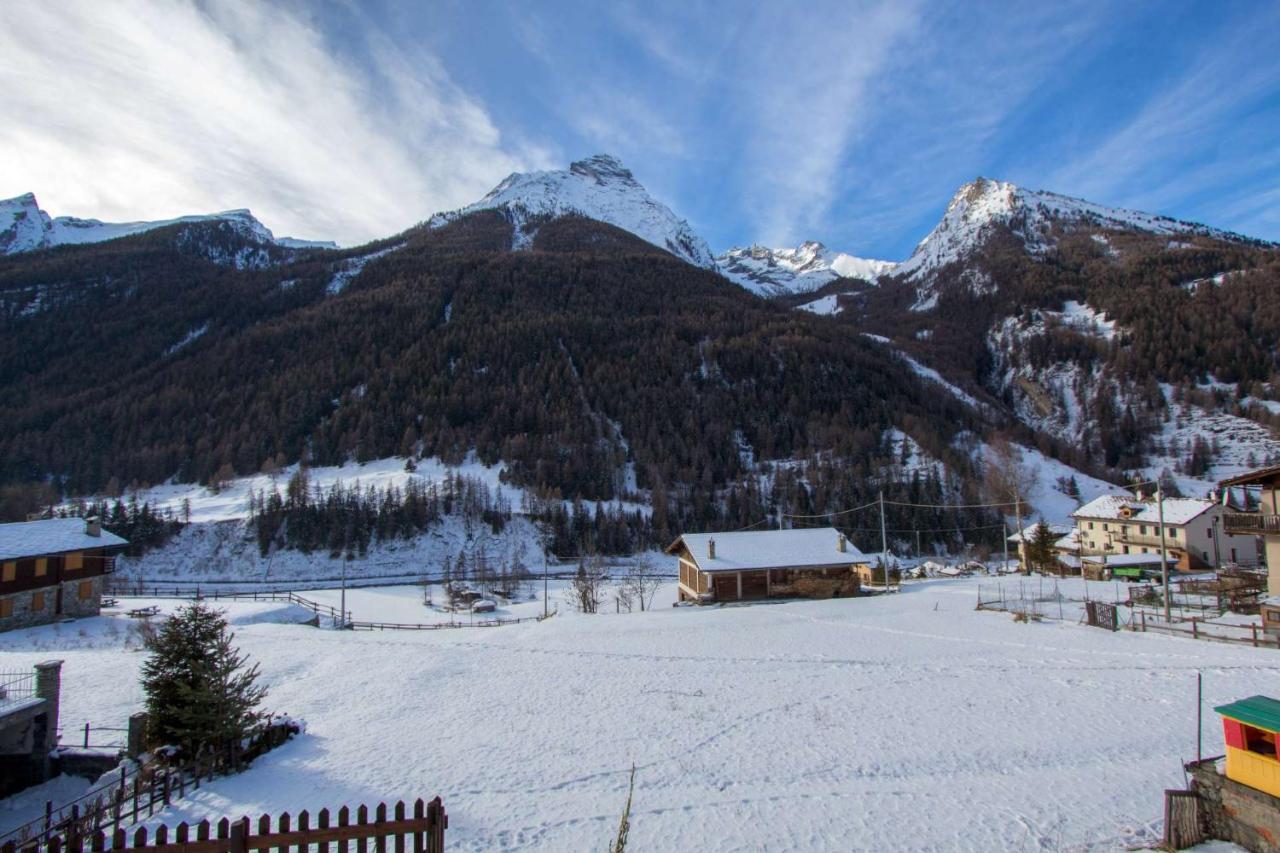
(576, 330)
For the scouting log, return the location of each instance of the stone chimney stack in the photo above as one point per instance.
(711, 549)
(93, 526)
(840, 543)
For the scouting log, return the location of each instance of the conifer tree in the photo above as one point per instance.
(202, 695)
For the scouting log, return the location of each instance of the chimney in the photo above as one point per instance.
(1139, 492)
(711, 549)
(840, 543)
(92, 526)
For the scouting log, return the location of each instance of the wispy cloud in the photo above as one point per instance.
(145, 109)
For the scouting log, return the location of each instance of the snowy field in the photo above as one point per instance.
(904, 722)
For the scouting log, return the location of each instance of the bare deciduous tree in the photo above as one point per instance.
(1007, 479)
(639, 585)
(586, 590)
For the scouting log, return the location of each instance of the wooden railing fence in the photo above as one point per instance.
(137, 795)
(423, 829)
(197, 594)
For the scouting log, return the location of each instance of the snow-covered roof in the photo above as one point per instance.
(1061, 531)
(769, 549)
(51, 536)
(1176, 510)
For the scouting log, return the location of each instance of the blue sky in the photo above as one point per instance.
(849, 123)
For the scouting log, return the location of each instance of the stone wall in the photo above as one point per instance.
(72, 605)
(25, 615)
(1235, 812)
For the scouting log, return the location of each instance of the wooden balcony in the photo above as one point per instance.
(1251, 524)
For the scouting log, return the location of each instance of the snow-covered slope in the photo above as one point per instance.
(24, 227)
(599, 188)
(807, 267)
(1031, 214)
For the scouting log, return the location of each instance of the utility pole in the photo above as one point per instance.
(1017, 515)
(1217, 552)
(545, 605)
(1006, 546)
(884, 544)
(1164, 554)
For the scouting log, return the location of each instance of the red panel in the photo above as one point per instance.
(1234, 733)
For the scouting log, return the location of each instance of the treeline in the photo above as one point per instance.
(143, 527)
(348, 519)
(570, 363)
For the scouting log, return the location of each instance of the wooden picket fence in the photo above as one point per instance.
(423, 830)
(137, 795)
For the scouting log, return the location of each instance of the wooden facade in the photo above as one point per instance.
(703, 582)
(42, 580)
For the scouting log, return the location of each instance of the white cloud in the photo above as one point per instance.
(147, 109)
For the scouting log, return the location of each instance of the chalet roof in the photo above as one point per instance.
(1176, 510)
(1060, 531)
(1256, 477)
(769, 549)
(51, 536)
(1261, 712)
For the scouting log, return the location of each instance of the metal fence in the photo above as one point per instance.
(16, 686)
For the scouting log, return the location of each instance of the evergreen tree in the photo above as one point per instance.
(202, 696)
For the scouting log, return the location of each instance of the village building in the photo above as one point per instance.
(811, 563)
(1263, 522)
(1194, 536)
(52, 569)
(1066, 545)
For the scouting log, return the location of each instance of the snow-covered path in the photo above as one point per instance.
(910, 722)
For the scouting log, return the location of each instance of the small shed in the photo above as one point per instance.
(1249, 729)
(1269, 609)
(809, 563)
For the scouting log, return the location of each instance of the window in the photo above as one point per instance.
(1126, 549)
(1091, 525)
(1208, 531)
(1106, 526)
(6, 608)
(10, 571)
(42, 566)
(1233, 555)
(74, 561)
(37, 602)
(1273, 615)
(84, 590)
(1142, 528)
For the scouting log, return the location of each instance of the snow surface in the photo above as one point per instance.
(50, 536)
(979, 205)
(1046, 500)
(827, 305)
(350, 268)
(599, 188)
(24, 227)
(764, 549)
(806, 268)
(800, 725)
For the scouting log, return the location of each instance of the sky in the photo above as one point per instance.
(852, 123)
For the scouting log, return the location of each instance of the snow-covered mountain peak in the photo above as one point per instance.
(1031, 215)
(24, 227)
(597, 187)
(807, 267)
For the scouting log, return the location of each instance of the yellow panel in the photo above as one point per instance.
(74, 561)
(1260, 772)
(42, 566)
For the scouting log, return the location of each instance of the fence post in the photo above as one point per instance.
(86, 735)
(240, 836)
(399, 816)
(1195, 632)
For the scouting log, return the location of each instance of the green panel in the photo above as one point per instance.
(1261, 712)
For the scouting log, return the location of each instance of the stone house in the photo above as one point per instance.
(52, 569)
